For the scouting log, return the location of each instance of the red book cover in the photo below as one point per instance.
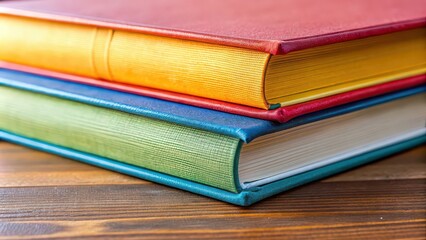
(282, 114)
(289, 25)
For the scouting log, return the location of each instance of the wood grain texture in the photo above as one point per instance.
(45, 196)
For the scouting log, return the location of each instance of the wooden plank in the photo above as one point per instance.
(410, 164)
(383, 200)
(394, 208)
(25, 167)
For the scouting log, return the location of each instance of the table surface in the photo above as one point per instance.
(46, 196)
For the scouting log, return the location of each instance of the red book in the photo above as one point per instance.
(282, 114)
(272, 26)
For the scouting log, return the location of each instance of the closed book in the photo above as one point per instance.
(242, 52)
(232, 158)
(281, 114)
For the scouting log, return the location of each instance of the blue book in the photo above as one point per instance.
(266, 158)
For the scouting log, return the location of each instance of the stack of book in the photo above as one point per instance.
(236, 100)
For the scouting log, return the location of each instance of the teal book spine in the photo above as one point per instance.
(246, 197)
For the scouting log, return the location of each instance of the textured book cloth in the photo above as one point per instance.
(243, 52)
(192, 148)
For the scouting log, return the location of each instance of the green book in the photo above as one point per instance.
(208, 158)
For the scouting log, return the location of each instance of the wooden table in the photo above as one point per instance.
(45, 196)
